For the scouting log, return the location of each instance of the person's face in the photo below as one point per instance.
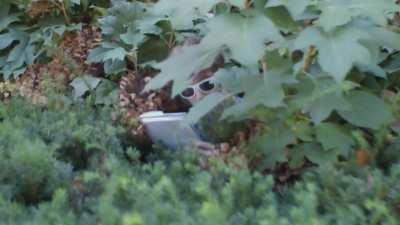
(201, 85)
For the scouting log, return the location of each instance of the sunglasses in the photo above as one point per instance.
(205, 87)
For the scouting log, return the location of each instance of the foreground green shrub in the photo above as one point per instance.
(179, 192)
(115, 187)
(40, 147)
(29, 170)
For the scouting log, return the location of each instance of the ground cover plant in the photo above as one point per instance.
(319, 109)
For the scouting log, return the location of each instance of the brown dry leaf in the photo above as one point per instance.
(364, 157)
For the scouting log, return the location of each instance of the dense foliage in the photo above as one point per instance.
(53, 175)
(327, 84)
(320, 78)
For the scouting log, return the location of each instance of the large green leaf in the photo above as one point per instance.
(21, 54)
(333, 137)
(312, 151)
(367, 110)
(295, 7)
(259, 89)
(181, 13)
(338, 51)
(340, 12)
(179, 67)
(104, 53)
(244, 36)
(272, 145)
(321, 96)
(203, 107)
(7, 20)
(83, 84)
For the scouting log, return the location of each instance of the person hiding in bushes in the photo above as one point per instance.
(211, 129)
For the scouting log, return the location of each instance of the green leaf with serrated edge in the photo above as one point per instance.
(330, 47)
(281, 18)
(272, 144)
(133, 37)
(83, 84)
(321, 96)
(312, 151)
(181, 13)
(303, 130)
(367, 110)
(333, 137)
(259, 89)
(295, 7)
(8, 38)
(245, 48)
(340, 12)
(114, 66)
(179, 67)
(203, 107)
(102, 54)
(7, 20)
(375, 38)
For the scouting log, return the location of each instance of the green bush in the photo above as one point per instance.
(39, 147)
(42, 183)
(30, 171)
(179, 192)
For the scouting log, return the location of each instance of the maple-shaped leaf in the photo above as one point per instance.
(367, 110)
(295, 7)
(259, 89)
(312, 151)
(333, 137)
(338, 50)
(244, 36)
(5, 18)
(181, 13)
(83, 84)
(106, 52)
(340, 12)
(20, 55)
(179, 67)
(321, 96)
(271, 144)
(206, 105)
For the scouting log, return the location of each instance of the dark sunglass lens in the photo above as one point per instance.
(206, 86)
(188, 92)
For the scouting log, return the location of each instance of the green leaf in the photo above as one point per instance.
(272, 145)
(8, 38)
(281, 18)
(312, 151)
(181, 13)
(320, 97)
(83, 84)
(244, 36)
(102, 54)
(367, 110)
(333, 137)
(203, 107)
(133, 37)
(106, 92)
(340, 12)
(259, 89)
(330, 47)
(7, 20)
(179, 67)
(295, 7)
